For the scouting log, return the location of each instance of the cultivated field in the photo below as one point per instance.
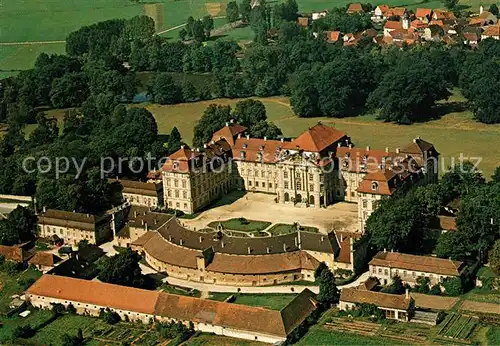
(452, 134)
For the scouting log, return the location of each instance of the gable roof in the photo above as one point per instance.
(95, 292)
(426, 264)
(14, 253)
(396, 11)
(355, 8)
(316, 139)
(492, 30)
(383, 8)
(418, 146)
(256, 149)
(393, 25)
(137, 187)
(382, 180)
(229, 133)
(332, 36)
(383, 300)
(68, 219)
(183, 308)
(44, 259)
(423, 12)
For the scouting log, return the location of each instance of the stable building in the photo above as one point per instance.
(221, 318)
(139, 193)
(395, 306)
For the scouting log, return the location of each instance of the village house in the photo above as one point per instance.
(221, 318)
(380, 12)
(395, 307)
(386, 265)
(138, 193)
(355, 8)
(319, 14)
(44, 261)
(73, 227)
(492, 31)
(424, 14)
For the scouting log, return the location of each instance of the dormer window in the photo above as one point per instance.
(175, 165)
(245, 146)
(374, 186)
(242, 155)
(259, 156)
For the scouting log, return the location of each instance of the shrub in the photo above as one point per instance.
(23, 332)
(453, 286)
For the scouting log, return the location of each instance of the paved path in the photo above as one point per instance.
(253, 289)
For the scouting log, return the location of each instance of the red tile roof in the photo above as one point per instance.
(378, 183)
(423, 12)
(393, 25)
(256, 150)
(396, 11)
(492, 30)
(383, 8)
(383, 300)
(14, 253)
(355, 8)
(229, 132)
(344, 240)
(332, 36)
(316, 139)
(44, 259)
(426, 264)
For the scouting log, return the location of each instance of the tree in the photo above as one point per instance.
(319, 270)
(174, 141)
(304, 98)
(183, 34)
(435, 290)
(189, 92)
(244, 9)
(494, 257)
(232, 12)
(328, 291)
(453, 286)
(495, 178)
(190, 26)
(23, 332)
(69, 91)
(19, 227)
(213, 119)
(249, 112)
(123, 269)
(208, 25)
(407, 93)
(494, 9)
(450, 4)
(422, 285)
(451, 245)
(165, 90)
(396, 287)
(46, 132)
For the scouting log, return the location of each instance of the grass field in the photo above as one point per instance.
(22, 57)
(206, 339)
(270, 301)
(241, 225)
(452, 134)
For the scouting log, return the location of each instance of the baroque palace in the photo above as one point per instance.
(318, 168)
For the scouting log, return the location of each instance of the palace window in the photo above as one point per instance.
(365, 203)
(176, 183)
(285, 174)
(311, 177)
(184, 194)
(176, 194)
(311, 187)
(183, 184)
(298, 184)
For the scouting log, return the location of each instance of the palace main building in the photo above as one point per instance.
(318, 168)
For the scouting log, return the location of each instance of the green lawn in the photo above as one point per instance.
(282, 228)
(241, 224)
(270, 301)
(13, 284)
(206, 339)
(23, 57)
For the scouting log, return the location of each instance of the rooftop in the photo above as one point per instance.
(383, 300)
(426, 264)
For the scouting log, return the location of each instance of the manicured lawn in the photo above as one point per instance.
(453, 134)
(241, 224)
(179, 290)
(282, 228)
(270, 301)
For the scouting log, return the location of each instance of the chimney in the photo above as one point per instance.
(44, 209)
(146, 226)
(248, 136)
(341, 237)
(397, 150)
(296, 242)
(407, 294)
(414, 140)
(231, 121)
(135, 214)
(222, 244)
(282, 140)
(267, 250)
(201, 238)
(284, 247)
(181, 242)
(386, 149)
(156, 221)
(322, 238)
(481, 9)
(367, 148)
(351, 250)
(265, 138)
(182, 146)
(385, 250)
(212, 142)
(339, 145)
(142, 222)
(227, 124)
(249, 250)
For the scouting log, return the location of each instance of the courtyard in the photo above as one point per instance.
(262, 207)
